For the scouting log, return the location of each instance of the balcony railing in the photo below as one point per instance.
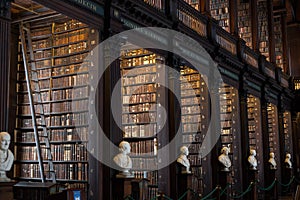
(158, 4)
(190, 17)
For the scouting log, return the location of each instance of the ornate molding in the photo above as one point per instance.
(5, 8)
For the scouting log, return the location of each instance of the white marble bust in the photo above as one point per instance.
(287, 161)
(224, 159)
(272, 161)
(123, 160)
(183, 160)
(6, 156)
(252, 160)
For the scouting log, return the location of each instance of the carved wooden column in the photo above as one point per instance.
(5, 25)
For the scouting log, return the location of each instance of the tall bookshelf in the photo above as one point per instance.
(60, 46)
(219, 9)
(140, 71)
(244, 22)
(194, 119)
(263, 33)
(255, 131)
(287, 128)
(278, 41)
(194, 3)
(229, 111)
(273, 128)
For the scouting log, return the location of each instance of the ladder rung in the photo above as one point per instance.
(51, 171)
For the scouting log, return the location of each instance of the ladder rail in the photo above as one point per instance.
(39, 105)
(30, 96)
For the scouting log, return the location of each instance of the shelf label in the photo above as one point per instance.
(96, 8)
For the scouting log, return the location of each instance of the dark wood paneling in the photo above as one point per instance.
(4, 72)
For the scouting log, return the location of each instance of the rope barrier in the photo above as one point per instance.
(211, 193)
(267, 188)
(288, 184)
(224, 191)
(244, 193)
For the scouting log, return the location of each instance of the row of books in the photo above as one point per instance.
(58, 120)
(192, 101)
(134, 62)
(72, 48)
(142, 107)
(60, 152)
(70, 25)
(145, 88)
(149, 164)
(78, 171)
(70, 37)
(144, 148)
(66, 60)
(191, 109)
(144, 118)
(192, 92)
(191, 118)
(195, 137)
(192, 128)
(139, 79)
(189, 84)
(144, 130)
(70, 134)
(139, 98)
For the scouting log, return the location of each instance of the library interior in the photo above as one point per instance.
(149, 99)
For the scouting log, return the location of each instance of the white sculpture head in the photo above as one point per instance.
(124, 147)
(5, 141)
(272, 155)
(184, 150)
(225, 150)
(252, 152)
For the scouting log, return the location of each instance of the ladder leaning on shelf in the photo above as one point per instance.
(35, 101)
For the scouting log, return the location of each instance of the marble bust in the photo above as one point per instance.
(6, 156)
(252, 160)
(224, 159)
(287, 161)
(183, 160)
(123, 161)
(272, 161)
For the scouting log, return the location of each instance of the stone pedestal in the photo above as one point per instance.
(183, 184)
(139, 189)
(253, 176)
(6, 190)
(121, 187)
(223, 181)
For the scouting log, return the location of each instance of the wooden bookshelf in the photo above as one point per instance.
(140, 71)
(263, 31)
(244, 22)
(287, 128)
(60, 47)
(229, 117)
(273, 128)
(194, 117)
(219, 9)
(278, 41)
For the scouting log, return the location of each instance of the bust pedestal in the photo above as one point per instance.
(122, 187)
(273, 192)
(223, 181)
(6, 190)
(184, 181)
(253, 176)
